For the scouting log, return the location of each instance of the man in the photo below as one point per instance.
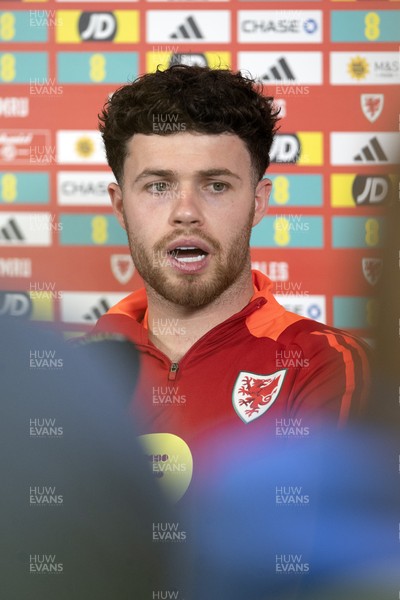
(189, 148)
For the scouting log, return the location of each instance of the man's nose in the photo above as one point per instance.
(186, 206)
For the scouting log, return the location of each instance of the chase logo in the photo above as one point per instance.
(310, 26)
(302, 148)
(83, 188)
(280, 26)
(118, 26)
(311, 306)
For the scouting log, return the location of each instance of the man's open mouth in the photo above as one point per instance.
(188, 254)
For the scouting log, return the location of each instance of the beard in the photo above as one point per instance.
(192, 290)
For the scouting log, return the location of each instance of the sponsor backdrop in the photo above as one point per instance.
(333, 67)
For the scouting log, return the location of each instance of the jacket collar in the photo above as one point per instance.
(135, 306)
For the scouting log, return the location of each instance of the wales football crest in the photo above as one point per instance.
(254, 394)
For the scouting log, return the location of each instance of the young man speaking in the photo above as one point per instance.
(189, 147)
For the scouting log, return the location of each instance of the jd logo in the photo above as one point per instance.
(15, 304)
(371, 189)
(97, 27)
(188, 59)
(285, 149)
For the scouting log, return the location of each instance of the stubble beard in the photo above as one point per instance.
(192, 290)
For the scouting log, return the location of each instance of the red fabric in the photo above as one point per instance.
(326, 370)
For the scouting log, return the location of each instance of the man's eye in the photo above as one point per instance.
(158, 187)
(218, 186)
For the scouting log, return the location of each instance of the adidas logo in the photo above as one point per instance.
(11, 231)
(189, 30)
(97, 311)
(372, 152)
(279, 72)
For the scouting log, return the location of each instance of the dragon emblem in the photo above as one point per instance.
(254, 394)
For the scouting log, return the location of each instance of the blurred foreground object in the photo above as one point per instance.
(304, 519)
(78, 502)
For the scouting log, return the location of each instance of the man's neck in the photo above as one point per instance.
(174, 329)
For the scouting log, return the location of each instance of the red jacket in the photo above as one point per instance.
(264, 369)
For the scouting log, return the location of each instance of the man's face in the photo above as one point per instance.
(188, 203)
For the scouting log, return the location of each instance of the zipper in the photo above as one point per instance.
(174, 366)
(172, 371)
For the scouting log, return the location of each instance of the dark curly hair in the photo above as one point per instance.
(203, 100)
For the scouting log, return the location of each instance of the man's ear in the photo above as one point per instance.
(115, 194)
(261, 198)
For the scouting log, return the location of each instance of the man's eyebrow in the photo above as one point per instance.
(217, 173)
(168, 173)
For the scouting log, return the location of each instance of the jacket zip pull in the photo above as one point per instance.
(172, 371)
